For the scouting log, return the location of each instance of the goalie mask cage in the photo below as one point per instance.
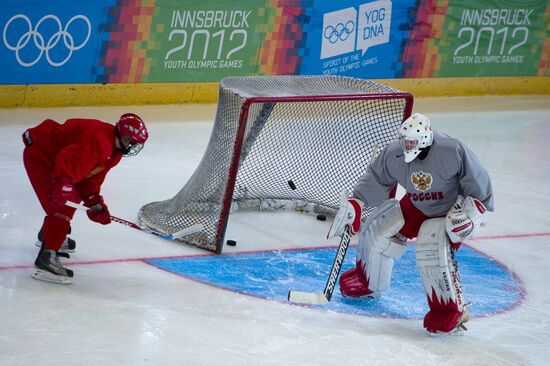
(280, 142)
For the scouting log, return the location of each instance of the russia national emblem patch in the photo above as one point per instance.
(422, 181)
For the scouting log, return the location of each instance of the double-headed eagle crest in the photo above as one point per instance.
(422, 181)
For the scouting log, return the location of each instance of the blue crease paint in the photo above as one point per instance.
(488, 285)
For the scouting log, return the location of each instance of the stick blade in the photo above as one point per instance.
(311, 298)
(187, 231)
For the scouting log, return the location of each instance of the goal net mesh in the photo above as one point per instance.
(280, 142)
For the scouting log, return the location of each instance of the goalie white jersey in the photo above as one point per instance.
(431, 183)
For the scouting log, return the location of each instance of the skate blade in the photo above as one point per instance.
(457, 332)
(46, 276)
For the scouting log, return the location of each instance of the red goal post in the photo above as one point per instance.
(281, 142)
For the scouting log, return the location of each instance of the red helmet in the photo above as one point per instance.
(132, 134)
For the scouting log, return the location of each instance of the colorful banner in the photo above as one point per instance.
(498, 39)
(139, 41)
(482, 38)
(204, 42)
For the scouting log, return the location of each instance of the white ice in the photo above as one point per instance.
(120, 311)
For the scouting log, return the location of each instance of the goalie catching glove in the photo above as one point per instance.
(349, 214)
(463, 218)
(97, 209)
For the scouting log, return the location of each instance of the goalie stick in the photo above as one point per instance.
(320, 298)
(177, 235)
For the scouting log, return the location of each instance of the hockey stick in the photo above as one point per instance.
(318, 298)
(177, 235)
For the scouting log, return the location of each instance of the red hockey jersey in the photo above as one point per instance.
(81, 149)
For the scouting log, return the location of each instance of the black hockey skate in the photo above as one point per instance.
(48, 267)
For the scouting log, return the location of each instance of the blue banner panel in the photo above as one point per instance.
(50, 41)
(359, 39)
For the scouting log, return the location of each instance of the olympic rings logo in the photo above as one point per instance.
(339, 32)
(39, 41)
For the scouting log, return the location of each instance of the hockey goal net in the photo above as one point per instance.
(281, 142)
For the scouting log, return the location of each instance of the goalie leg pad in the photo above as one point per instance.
(378, 247)
(386, 220)
(378, 265)
(440, 278)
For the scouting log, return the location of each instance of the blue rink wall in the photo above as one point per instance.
(56, 53)
(488, 285)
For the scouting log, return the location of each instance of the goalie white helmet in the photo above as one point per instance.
(415, 134)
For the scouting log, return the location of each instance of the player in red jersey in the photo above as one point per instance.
(69, 162)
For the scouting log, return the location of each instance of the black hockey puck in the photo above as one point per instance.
(231, 243)
(291, 185)
(321, 217)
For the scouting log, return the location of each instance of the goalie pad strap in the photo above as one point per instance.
(378, 247)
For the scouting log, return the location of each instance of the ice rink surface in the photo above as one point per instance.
(122, 311)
